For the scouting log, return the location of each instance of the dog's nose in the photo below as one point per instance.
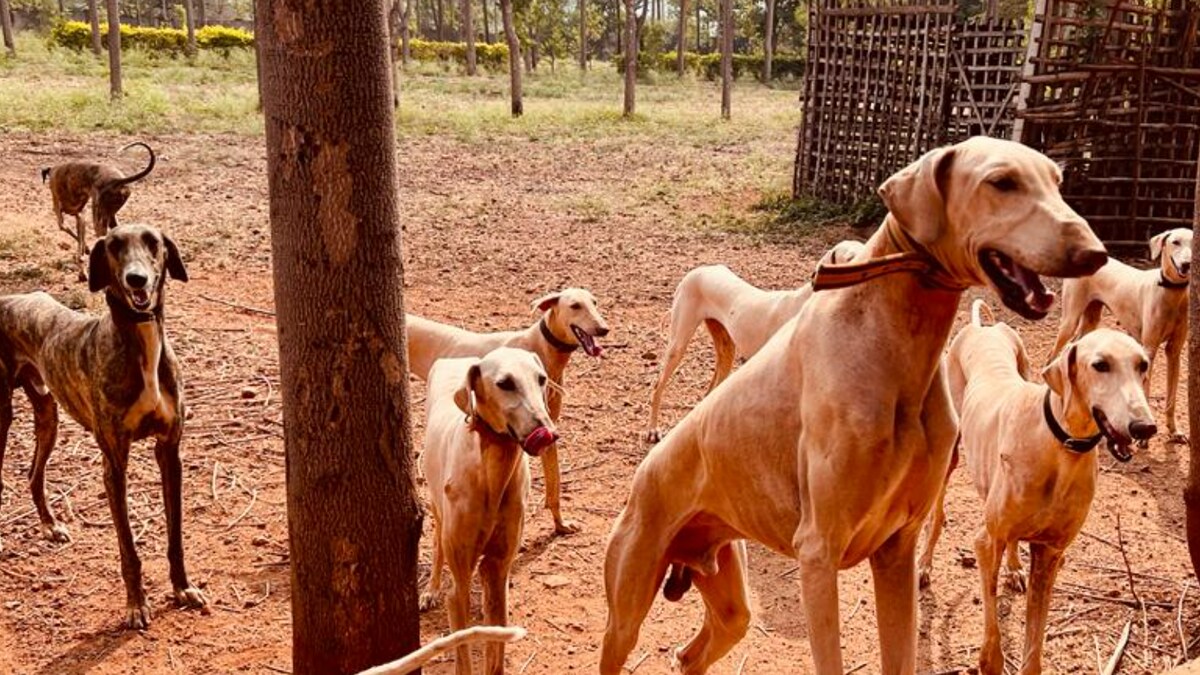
(135, 280)
(1185, 267)
(602, 331)
(1142, 431)
(1086, 261)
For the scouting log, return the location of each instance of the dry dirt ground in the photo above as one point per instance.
(478, 248)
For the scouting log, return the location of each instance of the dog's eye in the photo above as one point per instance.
(151, 245)
(576, 305)
(1142, 367)
(541, 380)
(1005, 184)
(115, 245)
(507, 384)
(1101, 366)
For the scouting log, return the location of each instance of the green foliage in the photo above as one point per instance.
(804, 215)
(783, 66)
(492, 57)
(77, 35)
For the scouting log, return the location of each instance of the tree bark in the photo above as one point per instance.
(698, 46)
(6, 28)
(769, 42)
(631, 54)
(405, 48)
(114, 50)
(487, 31)
(354, 518)
(441, 26)
(1191, 493)
(201, 14)
(681, 43)
(468, 20)
(395, 19)
(164, 19)
(583, 50)
(94, 19)
(189, 17)
(726, 56)
(514, 58)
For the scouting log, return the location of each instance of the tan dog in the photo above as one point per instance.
(739, 316)
(1151, 305)
(74, 184)
(478, 477)
(836, 462)
(1030, 450)
(570, 320)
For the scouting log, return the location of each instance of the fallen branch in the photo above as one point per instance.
(244, 308)
(1132, 589)
(456, 639)
(1115, 659)
(1179, 622)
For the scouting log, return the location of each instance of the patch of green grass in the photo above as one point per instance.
(781, 217)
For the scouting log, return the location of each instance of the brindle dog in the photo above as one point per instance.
(117, 376)
(74, 184)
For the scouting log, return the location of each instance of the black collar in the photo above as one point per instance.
(1167, 283)
(1079, 445)
(123, 313)
(553, 339)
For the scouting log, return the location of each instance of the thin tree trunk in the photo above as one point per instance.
(189, 17)
(354, 518)
(468, 20)
(487, 31)
(681, 43)
(698, 46)
(441, 26)
(619, 26)
(583, 50)
(164, 19)
(94, 18)
(769, 42)
(114, 49)
(201, 14)
(6, 28)
(405, 49)
(1191, 493)
(631, 53)
(726, 56)
(514, 58)
(395, 19)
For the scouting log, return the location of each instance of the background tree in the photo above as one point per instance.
(681, 39)
(514, 57)
(726, 56)
(189, 18)
(468, 11)
(1191, 493)
(583, 33)
(631, 50)
(405, 48)
(354, 519)
(395, 21)
(114, 50)
(768, 41)
(94, 18)
(6, 28)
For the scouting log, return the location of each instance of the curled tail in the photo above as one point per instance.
(141, 174)
(979, 309)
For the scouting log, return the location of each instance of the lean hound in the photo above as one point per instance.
(570, 320)
(835, 462)
(1151, 305)
(117, 376)
(739, 317)
(479, 478)
(1030, 451)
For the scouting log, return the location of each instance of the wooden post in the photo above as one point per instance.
(7, 28)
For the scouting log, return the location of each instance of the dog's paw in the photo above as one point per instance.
(137, 616)
(56, 532)
(1015, 580)
(428, 601)
(190, 597)
(652, 436)
(567, 527)
(1178, 438)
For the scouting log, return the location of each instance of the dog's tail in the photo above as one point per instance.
(979, 309)
(141, 174)
(46, 174)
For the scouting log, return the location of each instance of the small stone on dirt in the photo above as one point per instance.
(555, 581)
(12, 604)
(260, 541)
(649, 356)
(249, 392)
(967, 562)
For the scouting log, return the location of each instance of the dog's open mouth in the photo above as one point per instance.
(1020, 288)
(139, 298)
(537, 441)
(586, 341)
(1119, 444)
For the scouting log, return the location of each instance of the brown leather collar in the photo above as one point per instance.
(912, 258)
(564, 347)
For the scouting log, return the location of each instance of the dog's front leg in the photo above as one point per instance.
(819, 591)
(116, 458)
(893, 567)
(553, 477)
(1174, 351)
(166, 452)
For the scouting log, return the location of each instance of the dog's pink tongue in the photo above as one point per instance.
(1036, 295)
(539, 440)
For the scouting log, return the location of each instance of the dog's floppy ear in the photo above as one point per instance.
(544, 303)
(175, 268)
(1059, 374)
(464, 398)
(915, 195)
(1156, 245)
(98, 274)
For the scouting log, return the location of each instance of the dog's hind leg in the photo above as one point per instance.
(726, 611)
(1045, 561)
(1173, 352)
(6, 416)
(166, 452)
(988, 551)
(725, 352)
(81, 239)
(683, 326)
(634, 568)
(1014, 575)
(433, 595)
(45, 420)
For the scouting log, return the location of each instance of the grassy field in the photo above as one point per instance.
(46, 88)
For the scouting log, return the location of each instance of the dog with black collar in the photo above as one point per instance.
(116, 375)
(570, 320)
(1151, 305)
(1031, 452)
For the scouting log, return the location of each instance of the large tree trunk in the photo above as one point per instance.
(583, 50)
(631, 54)
(6, 28)
(1191, 493)
(769, 42)
(189, 17)
(514, 58)
(354, 519)
(681, 43)
(114, 49)
(726, 55)
(468, 19)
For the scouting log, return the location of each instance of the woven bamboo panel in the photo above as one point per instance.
(875, 92)
(986, 63)
(1113, 92)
